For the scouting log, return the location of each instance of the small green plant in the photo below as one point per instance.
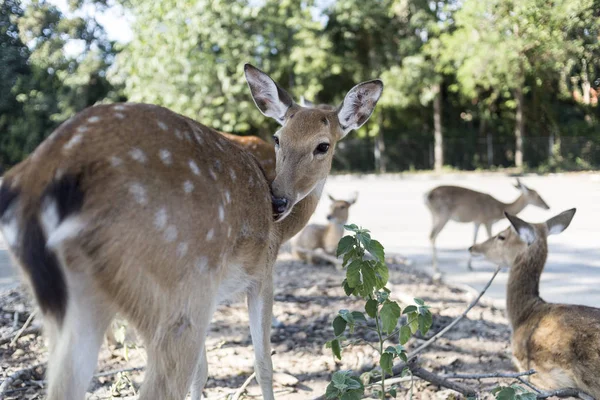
(513, 392)
(366, 278)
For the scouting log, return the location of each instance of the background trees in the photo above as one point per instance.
(469, 84)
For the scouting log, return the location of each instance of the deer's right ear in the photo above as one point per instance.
(331, 197)
(359, 105)
(525, 230)
(560, 222)
(270, 99)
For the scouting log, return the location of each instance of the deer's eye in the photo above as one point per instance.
(276, 139)
(500, 237)
(322, 148)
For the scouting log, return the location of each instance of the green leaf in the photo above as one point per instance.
(332, 392)
(386, 362)
(353, 273)
(347, 315)
(393, 392)
(344, 245)
(390, 312)
(352, 395)
(348, 256)
(339, 379)
(347, 289)
(425, 322)
(405, 334)
(403, 356)
(506, 393)
(376, 249)
(339, 325)
(358, 316)
(405, 372)
(409, 309)
(414, 322)
(368, 278)
(354, 383)
(371, 308)
(336, 348)
(351, 227)
(382, 296)
(419, 301)
(527, 396)
(382, 273)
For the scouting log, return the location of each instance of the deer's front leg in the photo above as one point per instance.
(260, 310)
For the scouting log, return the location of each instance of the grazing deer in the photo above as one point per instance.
(465, 205)
(560, 341)
(134, 209)
(261, 150)
(325, 237)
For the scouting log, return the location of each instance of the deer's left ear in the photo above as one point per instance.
(525, 230)
(270, 99)
(359, 105)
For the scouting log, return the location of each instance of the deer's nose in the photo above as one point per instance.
(329, 218)
(279, 204)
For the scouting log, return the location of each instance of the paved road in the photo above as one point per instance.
(392, 208)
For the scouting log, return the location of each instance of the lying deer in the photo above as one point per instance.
(320, 241)
(560, 341)
(465, 205)
(134, 209)
(261, 150)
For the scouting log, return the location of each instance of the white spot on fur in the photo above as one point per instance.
(188, 187)
(138, 155)
(194, 167)
(171, 233)
(251, 181)
(218, 165)
(182, 249)
(160, 218)
(93, 120)
(49, 216)
(69, 228)
(10, 227)
(165, 156)
(178, 134)
(82, 129)
(115, 161)
(119, 107)
(139, 193)
(162, 125)
(198, 138)
(219, 146)
(229, 232)
(212, 173)
(120, 115)
(201, 263)
(232, 174)
(75, 140)
(221, 213)
(187, 135)
(210, 235)
(227, 196)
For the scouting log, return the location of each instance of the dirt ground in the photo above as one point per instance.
(306, 299)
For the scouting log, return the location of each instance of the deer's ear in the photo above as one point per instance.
(331, 197)
(521, 187)
(306, 103)
(359, 104)
(270, 99)
(560, 222)
(525, 230)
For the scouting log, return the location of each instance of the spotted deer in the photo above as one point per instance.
(465, 205)
(560, 341)
(316, 237)
(132, 208)
(261, 150)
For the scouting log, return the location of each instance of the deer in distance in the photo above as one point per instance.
(465, 205)
(560, 341)
(132, 208)
(319, 242)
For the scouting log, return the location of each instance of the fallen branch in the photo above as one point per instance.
(16, 375)
(514, 375)
(456, 320)
(25, 325)
(242, 388)
(34, 330)
(567, 392)
(439, 381)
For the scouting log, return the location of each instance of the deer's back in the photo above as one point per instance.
(463, 205)
(261, 150)
(152, 182)
(562, 343)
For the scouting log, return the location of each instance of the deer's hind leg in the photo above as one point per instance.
(438, 224)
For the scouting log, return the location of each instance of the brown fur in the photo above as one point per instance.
(263, 151)
(560, 341)
(175, 218)
(465, 205)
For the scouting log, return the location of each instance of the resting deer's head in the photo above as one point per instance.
(305, 142)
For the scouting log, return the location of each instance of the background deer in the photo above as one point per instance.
(324, 237)
(134, 209)
(263, 152)
(465, 205)
(560, 341)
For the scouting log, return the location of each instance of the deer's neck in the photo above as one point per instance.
(523, 282)
(300, 215)
(516, 206)
(333, 233)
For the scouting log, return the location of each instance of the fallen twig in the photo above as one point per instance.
(242, 388)
(490, 375)
(567, 392)
(34, 330)
(25, 325)
(13, 377)
(439, 381)
(116, 371)
(456, 320)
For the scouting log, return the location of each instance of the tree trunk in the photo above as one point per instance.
(437, 126)
(519, 128)
(379, 148)
(489, 141)
(585, 85)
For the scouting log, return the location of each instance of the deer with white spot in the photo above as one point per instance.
(317, 241)
(113, 224)
(560, 341)
(465, 205)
